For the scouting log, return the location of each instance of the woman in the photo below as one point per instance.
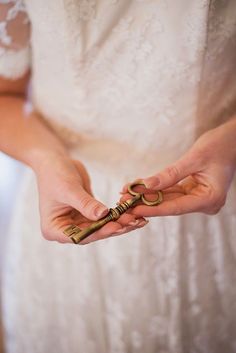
(121, 90)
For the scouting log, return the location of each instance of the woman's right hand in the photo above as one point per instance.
(65, 198)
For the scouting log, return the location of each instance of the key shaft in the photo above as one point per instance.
(77, 235)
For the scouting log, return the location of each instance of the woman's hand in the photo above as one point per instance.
(65, 194)
(199, 181)
(66, 198)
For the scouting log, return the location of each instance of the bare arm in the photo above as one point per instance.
(65, 195)
(64, 185)
(24, 137)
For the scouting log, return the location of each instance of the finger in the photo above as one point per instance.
(128, 229)
(137, 188)
(77, 217)
(88, 188)
(128, 221)
(57, 228)
(174, 173)
(172, 207)
(125, 221)
(168, 194)
(87, 205)
(56, 232)
(106, 232)
(84, 176)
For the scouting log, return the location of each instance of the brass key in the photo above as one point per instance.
(77, 234)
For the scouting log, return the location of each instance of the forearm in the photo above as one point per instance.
(24, 136)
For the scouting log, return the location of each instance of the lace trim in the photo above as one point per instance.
(12, 13)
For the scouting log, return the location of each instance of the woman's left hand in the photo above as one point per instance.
(197, 182)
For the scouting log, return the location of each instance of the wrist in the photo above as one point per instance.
(219, 143)
(42, 160)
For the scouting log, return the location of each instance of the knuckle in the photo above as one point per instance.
(87, 202)
(173, 172)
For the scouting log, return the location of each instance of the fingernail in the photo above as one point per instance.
(142, 223)
(134, 223)
(120, 231)
(101, 212)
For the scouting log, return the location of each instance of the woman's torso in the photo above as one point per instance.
(140, 77)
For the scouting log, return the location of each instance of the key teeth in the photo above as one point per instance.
(71, 231)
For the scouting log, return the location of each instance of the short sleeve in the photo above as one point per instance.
(14, 39)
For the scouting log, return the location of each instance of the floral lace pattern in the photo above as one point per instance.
(128, 85)
(86, 9)
(14, 39)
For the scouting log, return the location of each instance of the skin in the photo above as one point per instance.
(64, 185)
(198, 182)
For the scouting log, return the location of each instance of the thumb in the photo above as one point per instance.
(88, 206)
(172, 174)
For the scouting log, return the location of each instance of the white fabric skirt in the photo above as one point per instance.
(166, 288)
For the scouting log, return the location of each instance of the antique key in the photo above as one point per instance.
(77, 234)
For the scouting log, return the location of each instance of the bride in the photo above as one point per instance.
(94, 95)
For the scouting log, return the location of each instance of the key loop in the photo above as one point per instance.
(142, 195)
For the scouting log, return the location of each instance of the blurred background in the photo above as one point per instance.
(11, 173)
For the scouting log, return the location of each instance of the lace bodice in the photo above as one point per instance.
(97, 61)
(102, 59)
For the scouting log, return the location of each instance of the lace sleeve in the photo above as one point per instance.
(14, 39)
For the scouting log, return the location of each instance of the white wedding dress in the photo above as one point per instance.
(129, 85)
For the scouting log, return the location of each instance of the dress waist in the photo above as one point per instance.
(110, 156)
